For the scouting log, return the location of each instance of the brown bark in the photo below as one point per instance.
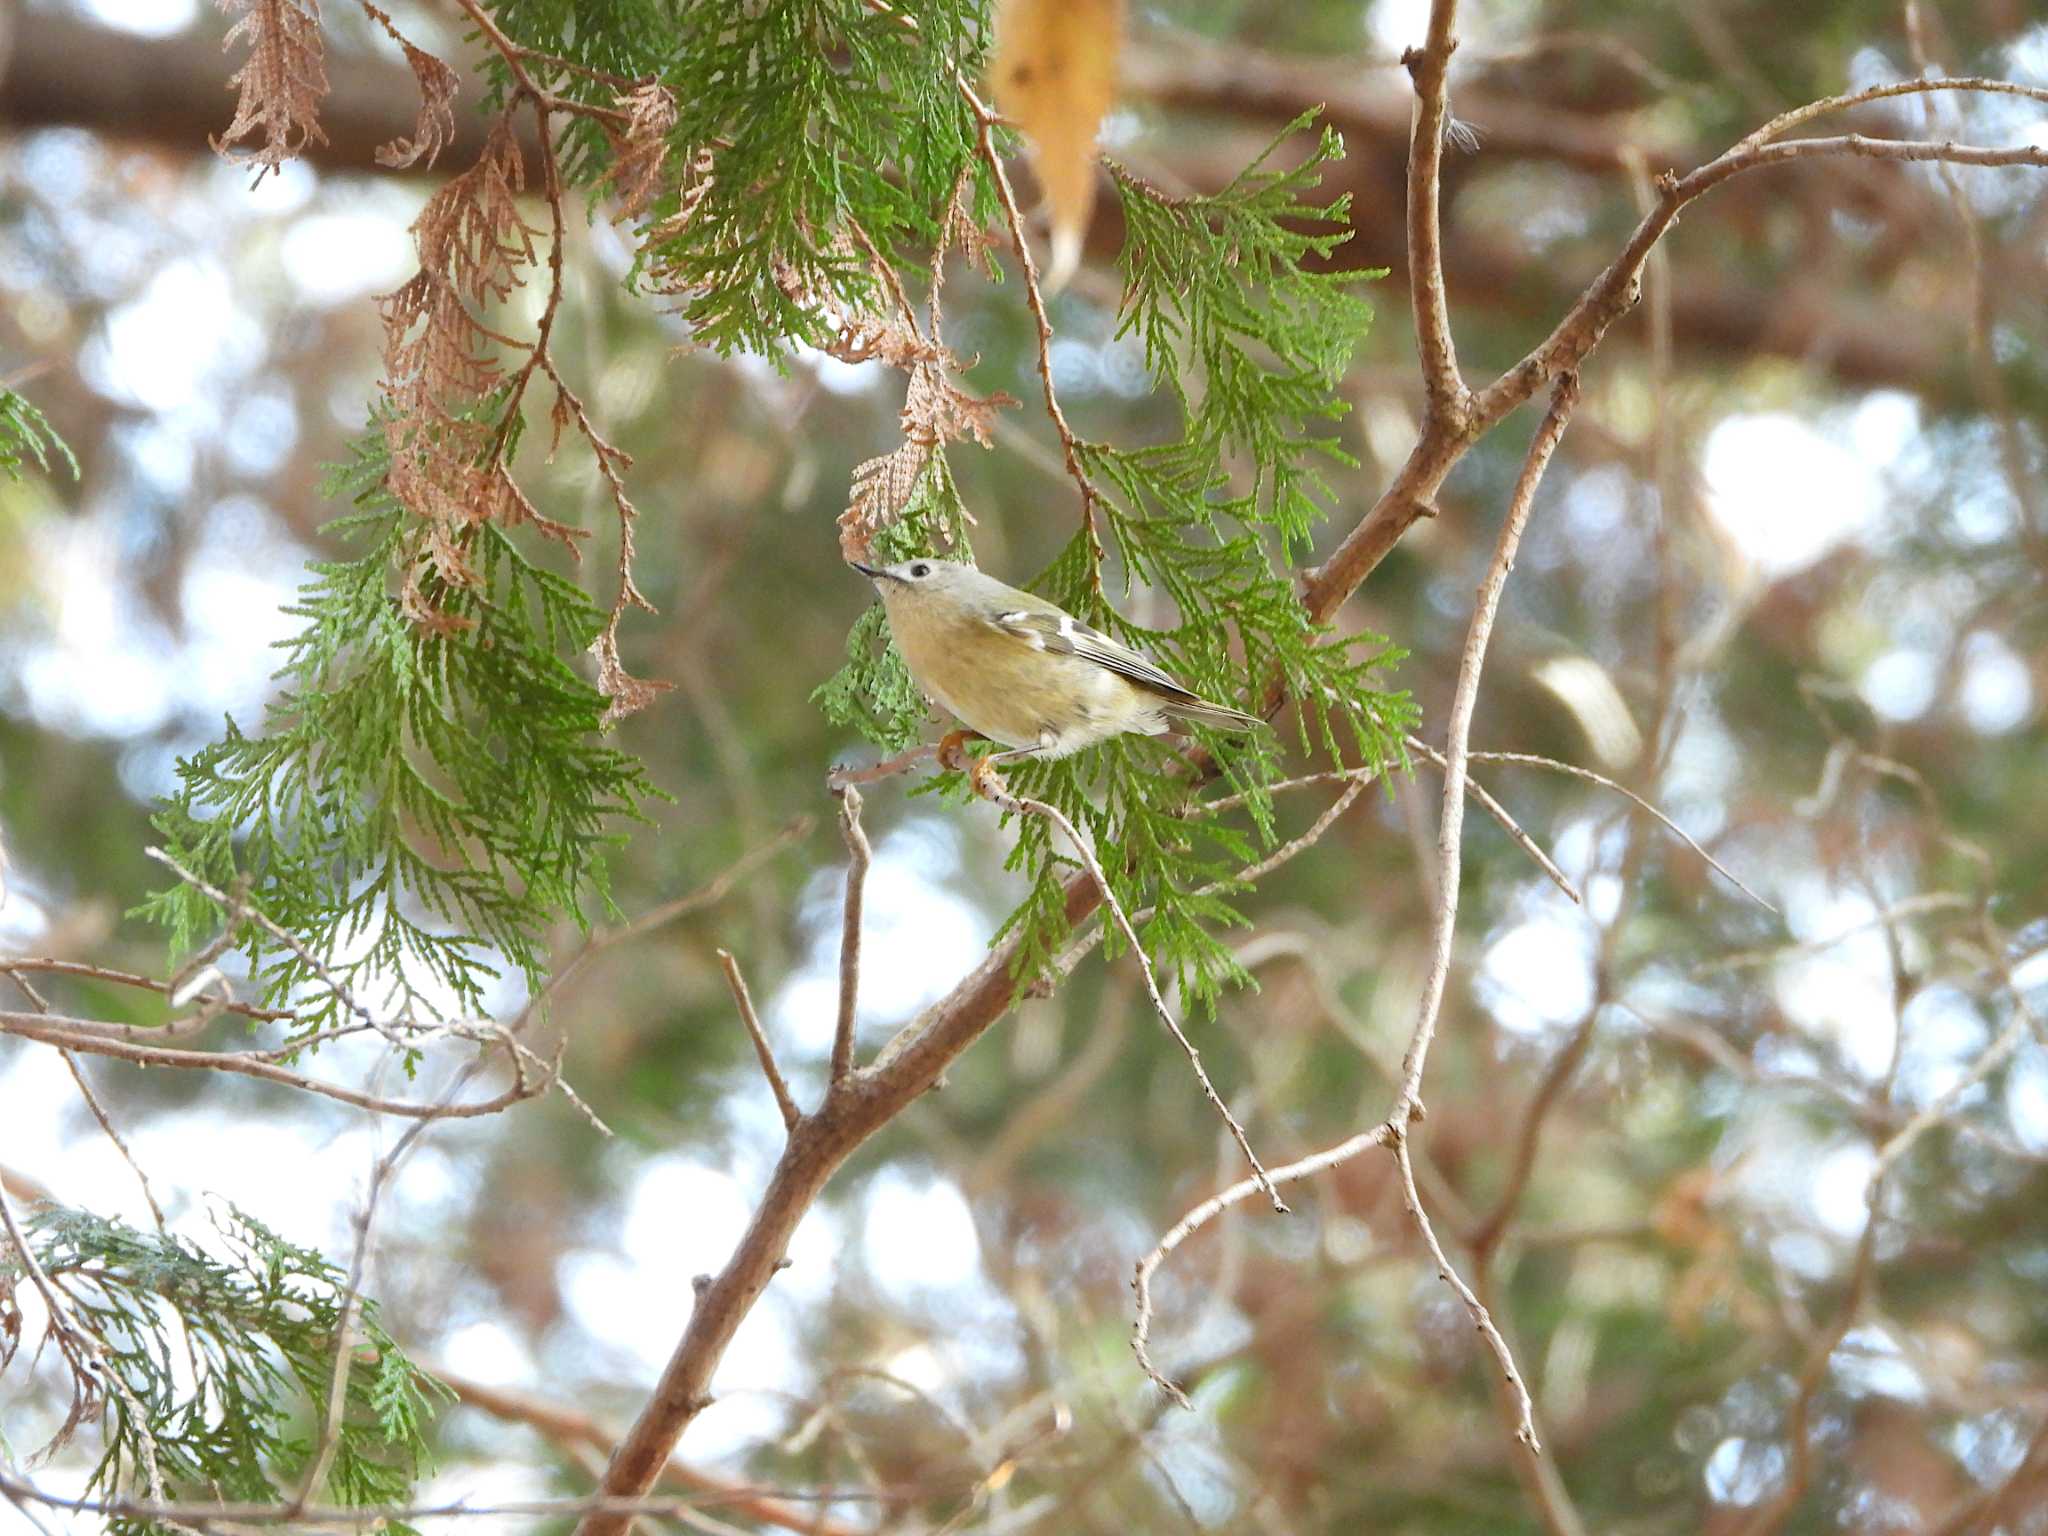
(172, 92)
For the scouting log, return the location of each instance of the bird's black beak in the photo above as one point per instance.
(872, 572)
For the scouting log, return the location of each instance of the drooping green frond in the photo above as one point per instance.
(25, 433)
(817, 117)
(228, 1358)
(1250, 338)
(425, 799)
(1251, 343)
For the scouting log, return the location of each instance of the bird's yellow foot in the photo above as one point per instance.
(953, 749)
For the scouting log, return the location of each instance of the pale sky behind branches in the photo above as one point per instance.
(184, 348)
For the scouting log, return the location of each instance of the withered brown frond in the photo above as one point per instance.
(628, 694)
(936, 409)
(280, 83)
(438, 87)
(441, 362)
(640, 149)
(663, 274)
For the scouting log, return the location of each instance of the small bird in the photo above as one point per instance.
(1024, 672)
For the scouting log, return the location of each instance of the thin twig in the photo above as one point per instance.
(1482, 1320)
(570, 1428)
(1450, 831)
(744, 1001)
(888, 767)
(99, 1113)
(990, 788)
(74, 1034)
(1070, 446)
(1556, 765)
(1508, 824)
(356, 1518)
(860, 855)
(346, 1344)
(44, 965)
(1207, 1211)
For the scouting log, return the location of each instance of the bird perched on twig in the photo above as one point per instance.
(1025, 672)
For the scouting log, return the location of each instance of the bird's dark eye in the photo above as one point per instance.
(920, 569)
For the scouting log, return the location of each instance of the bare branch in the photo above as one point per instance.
(1450, 831)
(41, 965)
(744, 1001)
(99, 1113)
(1201, 1215)
(1411, 495)
(860, 856)
(1444, 390)
(1408, 1103)
(570, 1428)
(1508, 824)
(888, 767)
(346, 1343)
(352, 1518)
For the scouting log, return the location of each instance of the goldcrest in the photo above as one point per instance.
(1024, 672)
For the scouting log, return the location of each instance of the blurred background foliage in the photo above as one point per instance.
(1785, 579)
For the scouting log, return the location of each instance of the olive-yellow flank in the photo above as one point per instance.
(1024, 672)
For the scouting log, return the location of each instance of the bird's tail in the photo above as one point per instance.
(1218, 717)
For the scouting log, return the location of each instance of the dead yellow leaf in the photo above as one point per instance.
(1054, 76)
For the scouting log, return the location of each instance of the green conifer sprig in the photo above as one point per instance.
(425, 800)
(25, 434)
(229, 1357)
(818, 115)
(1251, 342)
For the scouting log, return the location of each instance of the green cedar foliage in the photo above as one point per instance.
(824, 114)
(1251, 344)
(229, 1357)
(25, 434)
(424, 799)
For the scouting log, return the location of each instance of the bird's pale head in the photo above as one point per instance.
(926, 584)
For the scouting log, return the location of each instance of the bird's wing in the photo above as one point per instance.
(1062, 634)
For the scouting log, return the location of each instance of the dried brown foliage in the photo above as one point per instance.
(441, 362)
(438, 87)
(936, 409)
(640, 147)
(663, 275)
(280, 83)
